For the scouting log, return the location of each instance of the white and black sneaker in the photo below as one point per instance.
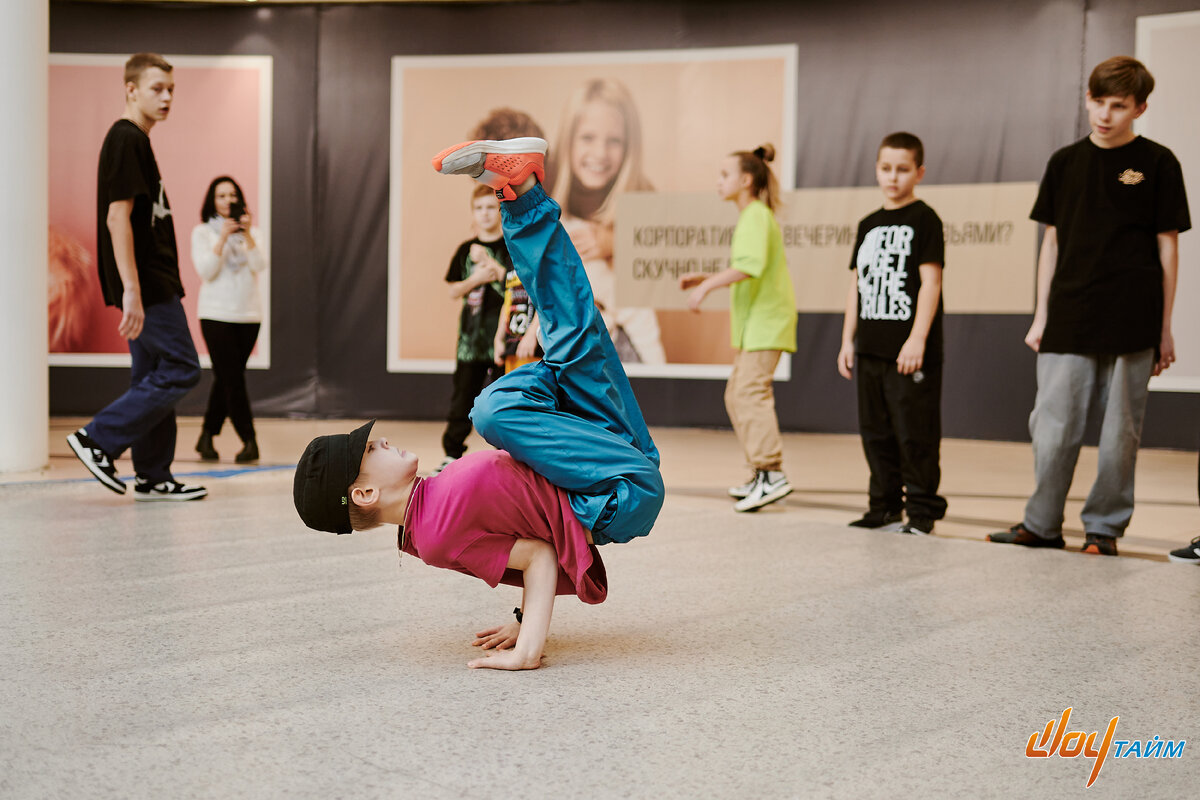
(738, 492)
(917, 526)
(768, 487)
(447, 461)
(1186, 555)
(169, 491)
(98, 462)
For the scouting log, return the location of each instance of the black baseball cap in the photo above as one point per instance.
(321, 489)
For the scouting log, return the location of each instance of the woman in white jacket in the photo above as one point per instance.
(228, 253)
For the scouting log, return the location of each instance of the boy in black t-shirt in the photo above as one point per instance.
(893, 328)
(1113, 205)
(476, 275)
(139, 274)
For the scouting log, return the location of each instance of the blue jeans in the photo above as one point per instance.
(164, 368)
(572, 416)
(1068, 386)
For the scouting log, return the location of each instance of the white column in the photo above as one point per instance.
(24, 379)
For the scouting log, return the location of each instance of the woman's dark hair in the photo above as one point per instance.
(209, 209)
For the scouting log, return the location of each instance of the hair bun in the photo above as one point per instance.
(766, 152)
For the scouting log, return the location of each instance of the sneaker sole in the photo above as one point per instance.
(145, 497)
(1195, 560)
(453, 159)
(79, 450)
(887, 526)
(1094, 550)
(765, 500)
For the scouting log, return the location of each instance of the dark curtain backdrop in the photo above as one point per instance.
(992, 89)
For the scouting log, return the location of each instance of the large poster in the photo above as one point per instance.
(669, 117)
(1169, 45)
(220, 124)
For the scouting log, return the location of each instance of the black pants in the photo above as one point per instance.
(900, 420)
(229, 346)
(469, 379)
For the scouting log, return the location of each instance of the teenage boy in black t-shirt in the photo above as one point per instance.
(476, 276)
(1114, 206)
(139, 274)
(893, 325)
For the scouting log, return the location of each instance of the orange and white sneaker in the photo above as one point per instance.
(499, 164)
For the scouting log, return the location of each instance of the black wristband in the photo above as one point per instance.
(517, 613)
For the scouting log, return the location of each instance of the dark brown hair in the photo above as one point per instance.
(900, 140)
(1121, 76)
(762, 180)
(140, 62)
(208, 209)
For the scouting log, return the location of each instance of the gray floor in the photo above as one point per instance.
(219, 649)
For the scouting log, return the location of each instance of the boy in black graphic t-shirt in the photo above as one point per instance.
(139, 274)
(893, 328)
(476, 276)
(1114, 206)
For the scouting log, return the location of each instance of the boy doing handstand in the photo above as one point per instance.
(575, 467)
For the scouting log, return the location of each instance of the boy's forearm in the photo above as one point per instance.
(927, 301)
(463, 288)
(1168, 255)
(121, 231)
(1047, 263)
(537, 601)
(850, 322)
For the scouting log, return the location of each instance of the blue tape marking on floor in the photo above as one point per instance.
(212, 473)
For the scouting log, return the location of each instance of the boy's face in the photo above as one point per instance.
(1111, 118)
(486, 212)
(386, 467)
(897, 174)
(152, 94)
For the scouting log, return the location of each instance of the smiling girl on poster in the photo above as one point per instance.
(599, 156)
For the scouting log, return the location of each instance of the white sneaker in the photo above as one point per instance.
(170, 491)
(447, 461)
(738, 492)
(768, 487)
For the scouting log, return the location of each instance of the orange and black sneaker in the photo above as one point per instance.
(499, 164)
(1099, 545)
(1019, 534)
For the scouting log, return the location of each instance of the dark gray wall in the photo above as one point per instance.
(993, 89)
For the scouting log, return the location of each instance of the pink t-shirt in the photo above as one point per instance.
(468, 517)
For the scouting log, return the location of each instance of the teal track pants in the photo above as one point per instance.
(572, 416)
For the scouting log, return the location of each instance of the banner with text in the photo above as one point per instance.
(991, 245)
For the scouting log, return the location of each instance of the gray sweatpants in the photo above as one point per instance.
(1068, 387)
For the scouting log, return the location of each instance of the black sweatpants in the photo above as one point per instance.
(469, 379)
(900, 421)
(229, 347)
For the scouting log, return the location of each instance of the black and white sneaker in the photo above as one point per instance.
(768, 487)
(170, 491)
(98, 462)
(1186, 555)
(738, 492)
(917, 526)
(878, 519)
